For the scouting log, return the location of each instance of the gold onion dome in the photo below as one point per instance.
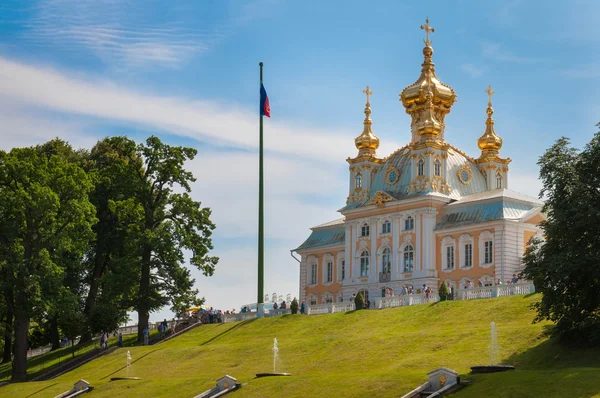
(428, 100)
(489, 142)
(367, 142)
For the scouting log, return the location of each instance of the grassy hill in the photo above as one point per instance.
(382, 353)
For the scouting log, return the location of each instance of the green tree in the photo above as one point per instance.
(294, 306)
(443, 291)
(171, 223)
(45, 212)
(359, 301)
(565, 266)
(113, 257)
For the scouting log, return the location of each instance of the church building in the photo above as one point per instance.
(424, 215)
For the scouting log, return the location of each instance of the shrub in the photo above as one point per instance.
(443, 291)
(294, 306)
(359, 301)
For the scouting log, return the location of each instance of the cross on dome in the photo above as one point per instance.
(428, 29)
(490, 92)
(367, 92)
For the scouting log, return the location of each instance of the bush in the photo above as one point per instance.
(294, 306)
(359, 301)
(443, 291)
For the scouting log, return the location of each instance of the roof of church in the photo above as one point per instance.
(500, 204)
(323, 237)
(330, 223)
(401, 161)
(498, 193)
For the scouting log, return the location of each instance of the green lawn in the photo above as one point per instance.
(375, 353)
(42, 363)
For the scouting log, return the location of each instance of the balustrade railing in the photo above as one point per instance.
(400, 301)
(496, 291)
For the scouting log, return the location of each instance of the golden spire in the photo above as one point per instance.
(489, 142)
(428, 100)
(367, 142)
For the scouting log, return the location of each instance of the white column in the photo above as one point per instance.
(417, 218)
(395, 246)
(374, 274)
(348, 246)
(429, 239)
(354, 237)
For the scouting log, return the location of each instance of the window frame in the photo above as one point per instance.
(408, 258)
(420, 167)
(409, 223)
(499, 181)
(437, 167)
(365, 230)
(386, 227)
(386, 253)
(365, 264)
(358, 180)
(314, 273)
(450, 257)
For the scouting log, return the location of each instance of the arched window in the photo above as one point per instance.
(438, 167)
(420, 167)
(364, 263)
(386, 263)
(409, 258)
(358, 180)
(386, 227)
(498, 180)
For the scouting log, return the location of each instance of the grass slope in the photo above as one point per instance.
(48, 361)
(381, 353)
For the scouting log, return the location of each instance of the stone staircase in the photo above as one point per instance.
(74, 363)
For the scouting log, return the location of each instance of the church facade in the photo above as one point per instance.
(424, 215)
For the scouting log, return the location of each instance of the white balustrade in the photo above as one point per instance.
(496, 291)
(343, 306)
(404, 300)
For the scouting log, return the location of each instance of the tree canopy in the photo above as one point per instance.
(564, 266)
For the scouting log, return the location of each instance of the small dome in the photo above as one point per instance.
(489, 141)
(367, 140)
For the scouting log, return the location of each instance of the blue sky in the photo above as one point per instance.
(85, 69)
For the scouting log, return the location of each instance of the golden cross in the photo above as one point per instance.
(490, 92)
(428, 29)
(368, 92)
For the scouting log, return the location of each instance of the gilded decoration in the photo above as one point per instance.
(427, 100)
(392, 175)
(367, 143)
(465, 175)
(380, 198)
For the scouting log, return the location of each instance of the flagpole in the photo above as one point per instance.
(261, 265)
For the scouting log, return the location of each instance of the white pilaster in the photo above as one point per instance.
(353, 265)
(395, 246)
(348, 251)
(374, 272)
(418, 264)
(429, 239)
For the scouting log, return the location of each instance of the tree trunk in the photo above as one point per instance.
(54, 337)
(143, 305)
(19, 364)
(6, 356)
(100, 263)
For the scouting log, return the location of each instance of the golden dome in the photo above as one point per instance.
(428, 100)
(367, 142)
(489, 143)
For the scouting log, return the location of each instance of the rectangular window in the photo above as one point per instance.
(313, 274)
(365, 230)
(329, 272)
(386, 228)
(409, 224)
(343, 269)
(328, 300)
(450, 257)
(468, 255)
(488, 253)
(313, 302)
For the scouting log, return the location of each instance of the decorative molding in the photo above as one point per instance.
(380, 198)
(390, 172)
(464, 173)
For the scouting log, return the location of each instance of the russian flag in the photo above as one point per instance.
(265, 109)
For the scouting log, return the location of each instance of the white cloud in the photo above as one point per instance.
(587, 71)
(118, 32)
(198, 119)
(473, 70)
(497, 52)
